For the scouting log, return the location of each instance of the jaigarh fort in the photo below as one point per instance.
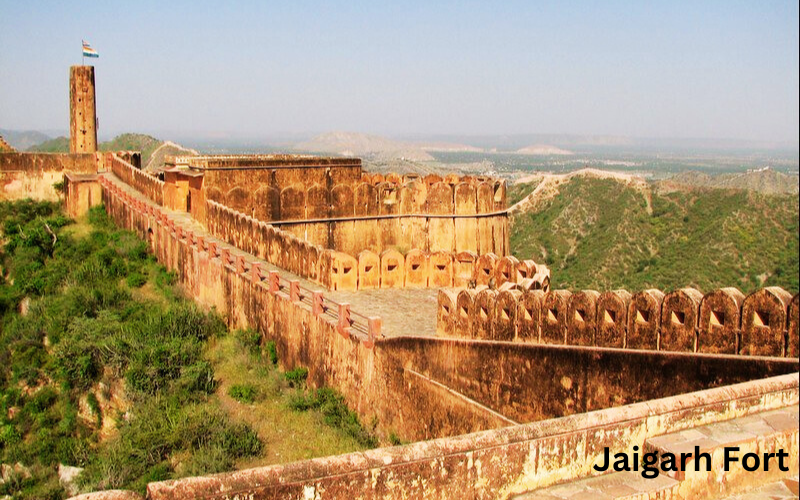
(400, 292)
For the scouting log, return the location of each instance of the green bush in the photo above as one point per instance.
(136, 280)
(272, 352)
(245, 393)
(335, 413)
(250, 340)
(296, 376)
(83, 325)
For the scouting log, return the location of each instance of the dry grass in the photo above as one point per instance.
(287, 435)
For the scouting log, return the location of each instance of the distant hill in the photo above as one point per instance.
(57, 145)
(544, 150)
(133, 142)
(357, 144)
(23, 139)
(765, 180)
(153, 150)
(606, 233)
(447, 147)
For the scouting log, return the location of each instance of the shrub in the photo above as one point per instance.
(243, 393)
(272, 352)
(136, 280)
(297, 376)
(250, 340)
(335, 413)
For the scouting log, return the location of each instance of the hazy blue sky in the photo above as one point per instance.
(674, 69)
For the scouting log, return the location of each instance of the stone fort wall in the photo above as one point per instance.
(33, 175)
(367, 269)
(765, 323)
(330, 202)
(423, 387)
(420, 387)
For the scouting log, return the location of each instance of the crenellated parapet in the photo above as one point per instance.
(723, 321)
(391, 268)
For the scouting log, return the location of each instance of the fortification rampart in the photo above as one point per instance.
(330, 202)
(33, 175)
(143, 182)
(721, 321)
(422, 388)
(366, 270)
(379, 212)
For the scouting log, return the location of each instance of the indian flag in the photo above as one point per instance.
(88, 51)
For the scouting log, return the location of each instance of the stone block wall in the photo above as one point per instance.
(32, 175)
(723, 321)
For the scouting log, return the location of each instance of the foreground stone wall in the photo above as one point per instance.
(496, 464)
(721, 321)
(32, 175)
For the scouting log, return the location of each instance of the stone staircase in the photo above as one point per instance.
(761, 433)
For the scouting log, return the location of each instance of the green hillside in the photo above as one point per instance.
(601, 234)
(133, 142)
(123, 142)
(57, 145)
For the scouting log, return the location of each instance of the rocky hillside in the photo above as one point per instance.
(765, 180)
(606, 232)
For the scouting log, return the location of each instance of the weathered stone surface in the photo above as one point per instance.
(82, 110)
(505, 325)
(465, 304)
(485, 310)
(529, 316)
(447, 312)
(392, 269)
(484, 268)
(719, 325)
(507, 270)
(343, 272)
(679, 313)
(612, 318)
(554, 320)
(644, 318)
(369, 270)
(794, 336)
(581, 317)
(464, 268)
(764, 324)
(441, 272)
(417, 269)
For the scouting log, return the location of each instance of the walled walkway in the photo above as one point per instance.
(403, 311)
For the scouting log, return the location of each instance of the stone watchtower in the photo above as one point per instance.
(82, 110)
